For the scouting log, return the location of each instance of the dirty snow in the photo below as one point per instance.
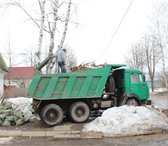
(128, 120)
(163, 104)
(6, 140)
(23, 104)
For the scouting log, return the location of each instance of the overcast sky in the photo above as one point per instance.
(98, 20)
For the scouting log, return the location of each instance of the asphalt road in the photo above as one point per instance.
(148, 140)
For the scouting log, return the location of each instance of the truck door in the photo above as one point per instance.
(138, 86)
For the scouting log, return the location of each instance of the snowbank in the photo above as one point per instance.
(127, 121)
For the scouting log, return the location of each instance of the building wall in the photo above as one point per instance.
(18, 83)
(16, 88)
(1, 84)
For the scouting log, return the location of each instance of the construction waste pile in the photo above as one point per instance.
(13, 112)
(86, 66)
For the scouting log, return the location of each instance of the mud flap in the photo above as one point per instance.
(149, 102)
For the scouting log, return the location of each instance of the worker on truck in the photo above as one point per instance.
(61, 59)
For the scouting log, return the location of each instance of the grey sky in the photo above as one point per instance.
(98, 21)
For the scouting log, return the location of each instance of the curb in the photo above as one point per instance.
(35, 133)
(54, 134)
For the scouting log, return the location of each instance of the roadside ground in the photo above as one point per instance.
(67, 130)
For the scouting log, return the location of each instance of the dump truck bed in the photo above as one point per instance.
(82, 84)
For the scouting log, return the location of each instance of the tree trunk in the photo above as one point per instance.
(152, 84)
(163, 65)
(52, 31)
(42, 8)
(52, 36)
(66, 26)
(64, 33)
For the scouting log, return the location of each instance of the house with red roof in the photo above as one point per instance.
(18, 80)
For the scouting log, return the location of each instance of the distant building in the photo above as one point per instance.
(18, 80)
(3, 71)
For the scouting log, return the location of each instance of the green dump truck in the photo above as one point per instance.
(76, 94)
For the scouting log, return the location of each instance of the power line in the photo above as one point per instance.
(116, 30)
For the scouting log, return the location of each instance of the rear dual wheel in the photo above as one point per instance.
(51, 114)
(79, 112)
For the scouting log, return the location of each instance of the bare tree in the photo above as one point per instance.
(152, 55)
(53, 28)
(153, 47)
(145, 53)
(160, 29)
(51, 13)
(28, 57)
(11, 54)
(135, 58)
(65, 26)
(65, 31)
(53, 60)
(48, 25)
(42, 10)
(40, 26)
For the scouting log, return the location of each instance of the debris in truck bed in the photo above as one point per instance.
(86, 66)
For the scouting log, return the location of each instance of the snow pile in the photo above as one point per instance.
(127, 121)
(22, 104)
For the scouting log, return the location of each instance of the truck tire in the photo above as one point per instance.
(51, 114)
(132, 101)
(79, 112)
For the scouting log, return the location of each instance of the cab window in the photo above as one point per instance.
(136, 78)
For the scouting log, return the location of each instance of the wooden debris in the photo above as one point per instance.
(86, 66)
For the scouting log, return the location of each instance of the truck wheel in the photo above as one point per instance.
(132, 101)
(79, 112)
(51, 114)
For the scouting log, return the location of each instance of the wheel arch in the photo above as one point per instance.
(130, 96)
